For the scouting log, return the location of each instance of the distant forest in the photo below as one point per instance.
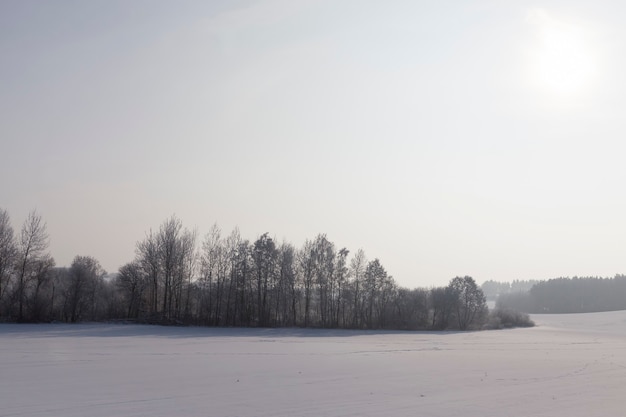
(493, 289)
(225, 281)
(568, 295)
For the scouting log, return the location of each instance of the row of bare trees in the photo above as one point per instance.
(230, 281)
(225, 280)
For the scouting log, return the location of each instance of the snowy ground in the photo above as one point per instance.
(569, 365)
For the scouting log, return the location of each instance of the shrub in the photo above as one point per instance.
(507, 318)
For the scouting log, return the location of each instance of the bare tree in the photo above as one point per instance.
(411, 309)
(324, 263)
(210, 290)
(186, 270)
(41, 278)
(236, 309)
(8, 253)
(32, 246)
(132, 282)
(264, 255)
(341, 275)
(375, 278)
(306, 267)
(85, 275)
(287, 300)
(169, 253)
(240, 306)
(470, 303)
(148, 258)
(442, 302)
(59, 277)
(357, 271)
(169, 257)
(387, 290)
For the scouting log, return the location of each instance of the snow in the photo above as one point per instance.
(569, 365)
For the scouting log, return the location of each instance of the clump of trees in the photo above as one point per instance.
(32, 289)
(224, 280)
(230, 281)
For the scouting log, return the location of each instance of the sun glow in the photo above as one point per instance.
(562, 60)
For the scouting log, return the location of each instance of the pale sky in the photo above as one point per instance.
(481, 138)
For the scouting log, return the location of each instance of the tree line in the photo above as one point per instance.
(225, 280)
(569, 295)
(493, 289)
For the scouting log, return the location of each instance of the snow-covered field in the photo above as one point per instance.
(569, 365)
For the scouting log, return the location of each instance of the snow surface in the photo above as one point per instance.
(569, 365)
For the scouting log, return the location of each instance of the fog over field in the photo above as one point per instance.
(568, 365)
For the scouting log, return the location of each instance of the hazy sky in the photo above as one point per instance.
(481, 138)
